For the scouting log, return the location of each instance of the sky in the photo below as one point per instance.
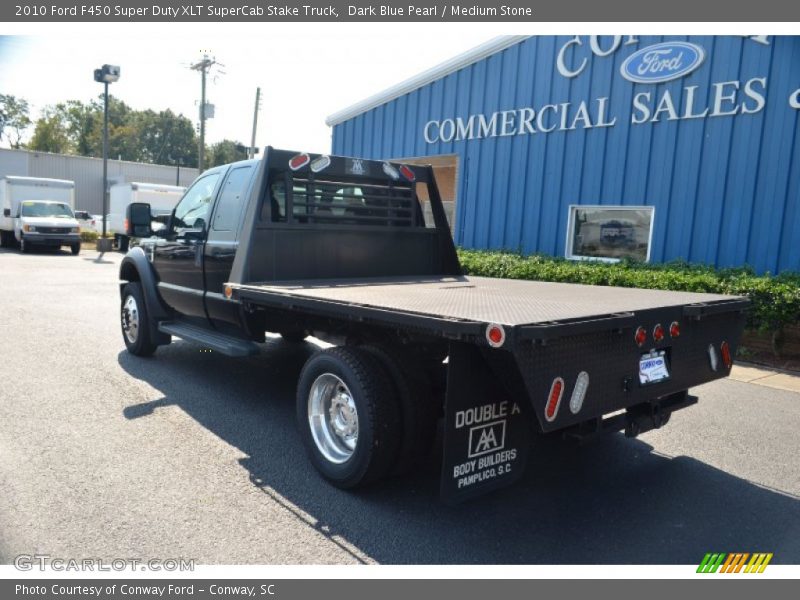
(306, 71)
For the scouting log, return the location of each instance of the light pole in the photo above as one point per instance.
(105, 75)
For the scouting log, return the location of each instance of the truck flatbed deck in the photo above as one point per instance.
(478, 300)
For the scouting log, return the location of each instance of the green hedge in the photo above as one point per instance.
(776, 299)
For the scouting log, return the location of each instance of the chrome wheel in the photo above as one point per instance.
(130, 319)
(333, 418)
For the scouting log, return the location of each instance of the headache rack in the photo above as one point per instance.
(347, 201)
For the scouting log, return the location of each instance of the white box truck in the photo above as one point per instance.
(37, 211)
(161, 198)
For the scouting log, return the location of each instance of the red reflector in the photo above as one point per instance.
(675, 329)
(554, 401)
(727, 359)
(658, 333)
(407, 173)
(495, 335)
(299, 161)
(641, 336)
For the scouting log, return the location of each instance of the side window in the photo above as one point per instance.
(194, 208)
(229, 206)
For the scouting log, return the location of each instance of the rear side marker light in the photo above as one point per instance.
(299, 161)
(640, 336)
(408, 173)
(495, 335)
(320, 163)
(579, 393)
(674, 329)
(713, 357)
(727, 359)
(554, 400)
(390, 171)
(228, 292)
(658, 333)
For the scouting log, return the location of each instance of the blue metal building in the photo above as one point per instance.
(700, 134)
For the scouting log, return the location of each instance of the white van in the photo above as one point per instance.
(38, 212)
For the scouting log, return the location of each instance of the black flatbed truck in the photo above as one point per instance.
(339, 248)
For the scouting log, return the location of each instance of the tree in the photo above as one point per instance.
(166, 138)
(226, 151)
(51, 133)
(75, 127)
(14, 117)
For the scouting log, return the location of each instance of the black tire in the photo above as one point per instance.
(76, 249)
(124, 243)
(294, 337)
(5, 239)
(24, 247)
(419, 413)
(379, 427)
(141, 344)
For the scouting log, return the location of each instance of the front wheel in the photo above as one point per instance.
(348, 415)
(24, 246)
(76, 249)
(135, 321)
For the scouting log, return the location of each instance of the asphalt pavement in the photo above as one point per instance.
(191, 454)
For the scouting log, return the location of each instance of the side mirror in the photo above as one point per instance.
(6, 212)
(137, 220)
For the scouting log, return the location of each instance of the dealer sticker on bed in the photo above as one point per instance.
(653, 368)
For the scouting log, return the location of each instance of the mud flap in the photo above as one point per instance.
(486, 432)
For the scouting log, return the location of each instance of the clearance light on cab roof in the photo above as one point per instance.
(408, 173)
(554, 400)
(389, 169)
(495, 335)
(299, 161)
(320, 163)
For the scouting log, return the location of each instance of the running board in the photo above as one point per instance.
(224, 344)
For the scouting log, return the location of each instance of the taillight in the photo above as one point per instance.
(713, 357)
(408, 173)
(658, 333)
(125, 224)
(579, 393)
(495, 335)
(554, 400)
(727, 359)
(299, 161)
(674, 329)
(641, 336)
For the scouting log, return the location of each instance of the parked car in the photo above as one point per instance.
(87, 221)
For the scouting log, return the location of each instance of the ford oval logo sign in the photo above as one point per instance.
(662, 62)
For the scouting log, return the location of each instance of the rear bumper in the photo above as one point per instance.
(51, 239)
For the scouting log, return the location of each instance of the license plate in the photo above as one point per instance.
(653, 368)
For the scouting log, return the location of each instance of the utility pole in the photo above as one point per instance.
(203, 66)
(251, 153)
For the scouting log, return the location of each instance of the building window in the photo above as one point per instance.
(609, 233)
